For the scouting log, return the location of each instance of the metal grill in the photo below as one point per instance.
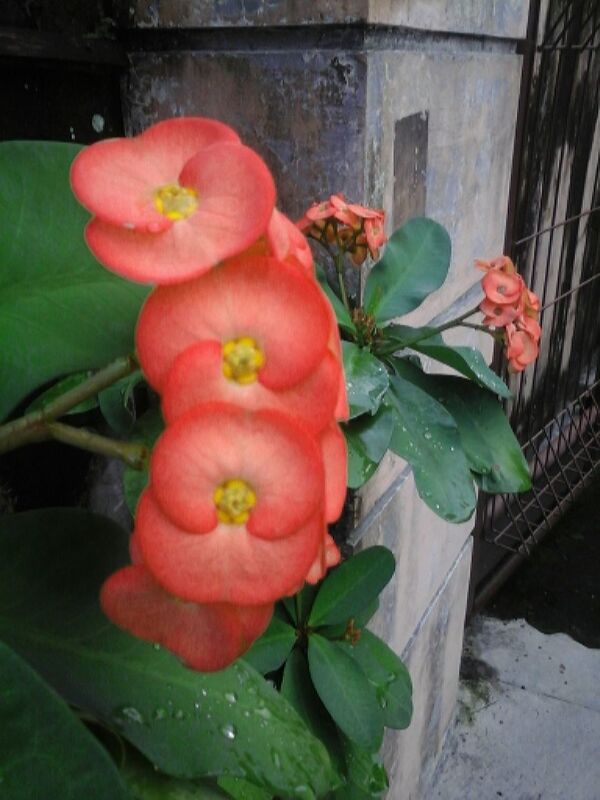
(554, 237)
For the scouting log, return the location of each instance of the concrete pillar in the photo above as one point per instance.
(405, 104)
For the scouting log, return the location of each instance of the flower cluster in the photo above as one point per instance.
(243, 348)
(355, 229)
(509, 304)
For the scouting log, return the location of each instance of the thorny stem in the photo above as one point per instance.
(41, 425)
(453, 323)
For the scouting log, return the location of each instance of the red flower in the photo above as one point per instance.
(207, 637)
(521, 348)
(228, 564)
(281, 310)
(173, 202)
(502, 288)
(218, 457)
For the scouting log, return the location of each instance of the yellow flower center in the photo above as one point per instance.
(175, 202)
(242, 359)
(234, 500)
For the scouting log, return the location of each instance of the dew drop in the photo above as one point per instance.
(276, 759)
(133, 715)
(228, 731)
(156, 646)
(263, 712)
(427, 435)
(179, 714)
(231, 697)
(159, 713)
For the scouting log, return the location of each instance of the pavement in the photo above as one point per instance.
(528, 719)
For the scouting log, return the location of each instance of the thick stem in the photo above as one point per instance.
(391, 348)
(133, 454)
(33, 427)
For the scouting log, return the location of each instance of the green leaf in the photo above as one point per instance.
(350, 588)
(366, 775)
(388, 675)
(147, 783)
(469, 361)
(242, 790)
(360, 621)
(117, 403)
(45, 751)
(189, 724)
(340, 310)
(366, 379)
(298, 689)
(368, 438)
(414, 264)
(426, 436)
(146, 430)
(60, 311)
(345, 692)
(58, 389)
(487, 439)
(271, 650)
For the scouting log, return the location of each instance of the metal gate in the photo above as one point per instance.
(553, 235)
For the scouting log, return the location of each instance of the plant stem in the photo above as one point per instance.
(339, 268)
(133, 454)
(33, 427)
(483, 328)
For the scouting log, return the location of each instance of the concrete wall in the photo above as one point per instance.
(417, 116)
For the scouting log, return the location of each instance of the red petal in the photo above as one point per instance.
(197, 377)
(216, 442)
(227, 565)
(284, 311)
(115, 179)
(335, 459)
(206, 637)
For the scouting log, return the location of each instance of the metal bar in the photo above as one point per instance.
(558, 225)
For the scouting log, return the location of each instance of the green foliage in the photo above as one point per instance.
(414, 264)
(239, 789)
(366, 380)
(365, 774)
(187, 723)
(145, 782)
(270, 651)
(117, 403)
(146, 430)
(354, 585)
(368, 438)
(467, 360)
(427, 437)
(390, 678)
(60, 311)
(345, 692)
(491, 448)
(46, 751)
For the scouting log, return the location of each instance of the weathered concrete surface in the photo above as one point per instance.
(528, 727)
(507, 18)
(432, 657)
(304, 112)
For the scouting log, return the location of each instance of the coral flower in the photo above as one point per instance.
(335, 461)
(197, 376)
(222, 463)
(502, 288)
(328, 556)
(497, 316)
(228, 564)
(272, 321)
(171, 203)
(521, 348)
(207, 637)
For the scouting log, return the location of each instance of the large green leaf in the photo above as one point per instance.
(492, 449)
(350, 588)
(414, 264)
(469, 361)
(366, 379)
(145, 782)
(60, 311)
(388, 675)
(368, 438)
(426, 436)
(345, 692)
(189, 724)
(239, 789)
(45, 751)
